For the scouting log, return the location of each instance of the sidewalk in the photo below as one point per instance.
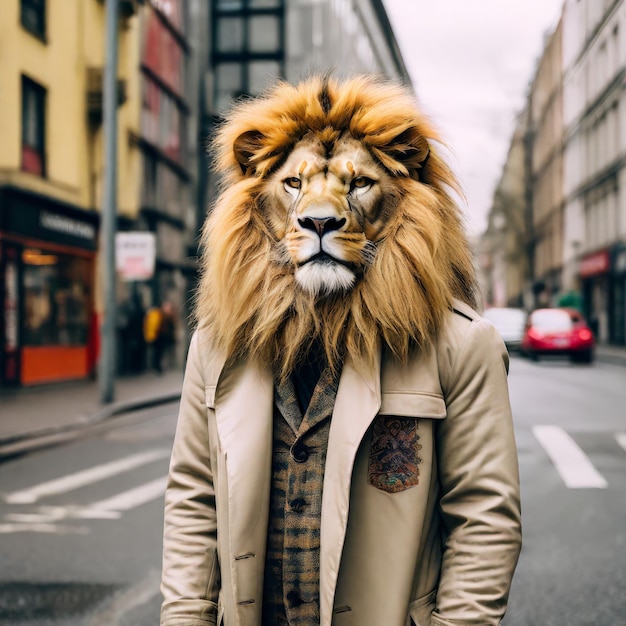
(30, 417)
(611, 354)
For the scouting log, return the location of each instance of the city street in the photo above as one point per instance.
(81, 523)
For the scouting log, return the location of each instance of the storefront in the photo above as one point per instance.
(47, 269)
(595, 280)
(618, 295)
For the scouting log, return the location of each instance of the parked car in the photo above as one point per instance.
(559, 332)
(510, 323)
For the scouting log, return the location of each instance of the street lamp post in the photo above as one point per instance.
(109, 204)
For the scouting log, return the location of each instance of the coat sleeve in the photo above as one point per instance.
(479, 477)
(190, 576)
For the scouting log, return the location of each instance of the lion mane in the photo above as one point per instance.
(248, 299)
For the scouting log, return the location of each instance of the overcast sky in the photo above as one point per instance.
(471, 62)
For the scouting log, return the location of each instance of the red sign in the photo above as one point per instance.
(596, 264)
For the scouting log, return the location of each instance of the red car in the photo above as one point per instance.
(559, 332)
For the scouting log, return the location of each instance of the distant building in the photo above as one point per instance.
(506, 248)
(575, 181)
(546, 171)
(256, 42)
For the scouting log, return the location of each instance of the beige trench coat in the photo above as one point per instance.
(441, 553)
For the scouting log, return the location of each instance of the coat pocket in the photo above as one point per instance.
(394, 453)
(421, 610)
(394, 457)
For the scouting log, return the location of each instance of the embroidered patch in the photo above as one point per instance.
(394, 458)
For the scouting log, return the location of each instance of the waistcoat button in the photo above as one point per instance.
(297, 504)
(299, 452)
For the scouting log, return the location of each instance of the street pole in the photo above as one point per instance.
(109, 205)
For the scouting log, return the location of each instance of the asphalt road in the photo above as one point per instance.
(571, 427)
(81, 523)
(81, 526)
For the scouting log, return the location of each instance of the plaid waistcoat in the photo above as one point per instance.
(291, 590)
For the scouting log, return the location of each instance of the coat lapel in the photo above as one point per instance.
(357, 403)
(243, 410)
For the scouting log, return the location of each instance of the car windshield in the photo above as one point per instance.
(551, 320)
(499, 317)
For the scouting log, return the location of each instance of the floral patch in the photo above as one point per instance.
(394, 454)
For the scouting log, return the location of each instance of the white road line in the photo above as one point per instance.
(570, 461)
(122, 604)
(621, 439)
(84, 477)
(52, 529)
(133, 497)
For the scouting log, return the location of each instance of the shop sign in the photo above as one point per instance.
(595, 264)
(67, 225)
(135, 255)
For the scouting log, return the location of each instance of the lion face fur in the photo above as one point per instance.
(334, 221)
(326, 210)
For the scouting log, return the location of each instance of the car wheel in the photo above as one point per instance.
(586, 357)
(582, 357)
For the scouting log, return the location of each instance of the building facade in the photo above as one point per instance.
(51, 177)
(594, 59)
(51, 180)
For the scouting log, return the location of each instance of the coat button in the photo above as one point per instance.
(299, 452)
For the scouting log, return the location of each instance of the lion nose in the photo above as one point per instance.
(321, 225)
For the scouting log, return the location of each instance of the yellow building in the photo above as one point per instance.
(51, 170)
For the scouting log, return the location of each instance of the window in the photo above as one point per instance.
(248, 47)
(33, 16)
(56, 298)
(33, 127)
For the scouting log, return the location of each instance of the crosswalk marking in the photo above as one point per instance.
(133, 497)
(84, 477)
(46, 518)
(621, 439)
(570, 461)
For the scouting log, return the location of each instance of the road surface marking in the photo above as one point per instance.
(51, 529)
(84, 477)
(132, 498)
(621, 439)
(129, 599)
(570, 461)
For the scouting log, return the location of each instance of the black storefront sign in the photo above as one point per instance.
(38, 217)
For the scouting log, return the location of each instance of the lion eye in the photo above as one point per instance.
(361, 182)
(293, 182)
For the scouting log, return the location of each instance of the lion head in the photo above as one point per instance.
(334, 221)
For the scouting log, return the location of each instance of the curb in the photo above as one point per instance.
(26, 442)
(612, 359)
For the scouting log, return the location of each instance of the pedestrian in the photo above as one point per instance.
(151, 326)
(135, 344)
(165, 337)
(344, 452)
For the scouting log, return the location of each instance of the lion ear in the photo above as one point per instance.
(411, 149)
(245, 148)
